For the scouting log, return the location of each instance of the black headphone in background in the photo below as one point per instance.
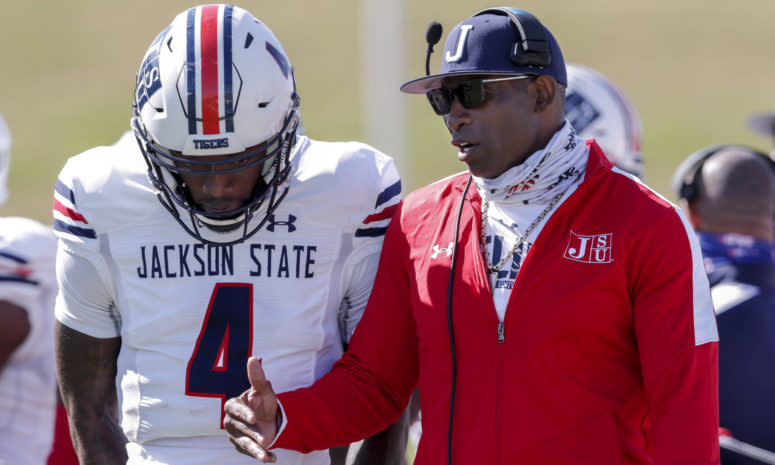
(533, 48)
(686, 176)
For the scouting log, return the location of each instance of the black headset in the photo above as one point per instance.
(685, 179)
(533, 47)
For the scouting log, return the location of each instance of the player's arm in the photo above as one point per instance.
(678, 344)
(21, 287)
(14, 328)
(86, 368)
(87, 343)
(388, 446)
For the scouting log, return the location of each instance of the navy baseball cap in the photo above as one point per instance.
(483, 44)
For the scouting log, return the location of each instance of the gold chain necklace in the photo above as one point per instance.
(518, 244)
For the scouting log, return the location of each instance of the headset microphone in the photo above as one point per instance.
(432, 36)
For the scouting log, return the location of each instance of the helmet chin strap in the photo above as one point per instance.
(227, 223)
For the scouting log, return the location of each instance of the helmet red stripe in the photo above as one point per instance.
(209, 60)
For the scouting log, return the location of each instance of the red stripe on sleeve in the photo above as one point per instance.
(383, 215)
(209, 60)
(69, 212)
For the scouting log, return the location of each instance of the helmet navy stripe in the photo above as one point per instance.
(191, 70)
(228, 94)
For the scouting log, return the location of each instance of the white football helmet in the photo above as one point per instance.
(216, 82)
(5, 160)
(598, 109)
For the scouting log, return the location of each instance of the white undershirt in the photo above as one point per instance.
(501, 236)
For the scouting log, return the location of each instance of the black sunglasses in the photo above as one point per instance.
(470, 93)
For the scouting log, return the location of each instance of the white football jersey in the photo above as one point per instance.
(28, 380)
(189, 314)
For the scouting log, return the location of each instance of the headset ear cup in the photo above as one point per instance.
(688, 191)
(531, 32)
(534, 57)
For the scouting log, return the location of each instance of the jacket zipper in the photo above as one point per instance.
(497, 452)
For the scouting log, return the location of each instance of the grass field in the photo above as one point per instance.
(694, 68)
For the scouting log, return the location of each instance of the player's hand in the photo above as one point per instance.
(251, 419)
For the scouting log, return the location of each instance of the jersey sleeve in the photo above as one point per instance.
(361, 265)
(677, 338)
(27, 255)
(369, 387)
(84, 302)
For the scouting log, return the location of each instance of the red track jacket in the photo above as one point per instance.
(609, 351)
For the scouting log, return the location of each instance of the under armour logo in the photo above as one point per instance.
(273, 223)
(447, 250)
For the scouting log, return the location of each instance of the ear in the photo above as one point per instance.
(691, 212)
(545, 92)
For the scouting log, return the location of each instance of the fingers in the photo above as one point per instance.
(260, 398)
(245, 446)
(247, 440)
(239, 430)
(257, 377)
(251, 419)
(240, 409)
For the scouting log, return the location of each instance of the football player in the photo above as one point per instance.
(599, 110)
(27, 291)
(215, 232)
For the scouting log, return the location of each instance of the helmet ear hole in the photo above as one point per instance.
(597, 108)
(187, 100)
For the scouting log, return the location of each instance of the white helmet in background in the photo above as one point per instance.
(5, 159)
(216, 82)
(598, 109)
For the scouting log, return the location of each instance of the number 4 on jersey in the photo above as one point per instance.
(217, 367)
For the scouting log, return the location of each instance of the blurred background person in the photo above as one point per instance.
(764, 124)
(598, 109)
(728, 192)
(27, 291)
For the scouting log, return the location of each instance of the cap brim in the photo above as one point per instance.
(424, 84)
(763, 123)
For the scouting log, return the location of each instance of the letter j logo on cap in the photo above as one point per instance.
(460, 43)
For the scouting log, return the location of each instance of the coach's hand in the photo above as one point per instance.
(251, 419)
